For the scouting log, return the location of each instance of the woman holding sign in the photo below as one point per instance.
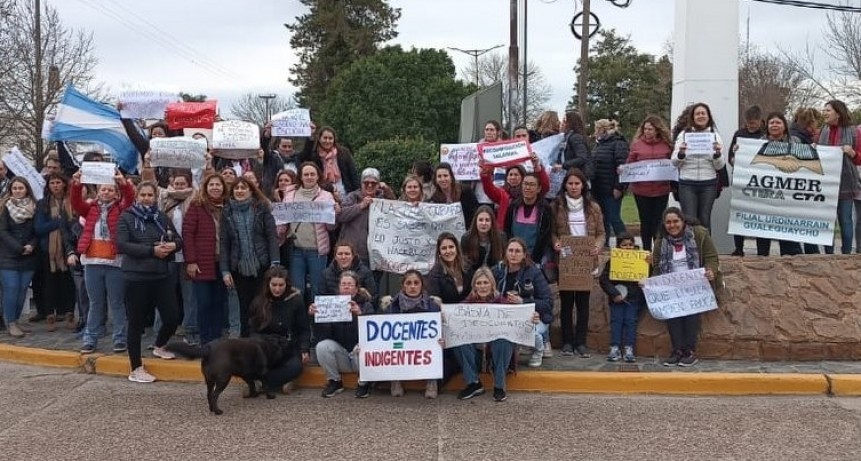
(652, 142)
(576, 215)
(447, 190)
(680, 248)
(838, 130)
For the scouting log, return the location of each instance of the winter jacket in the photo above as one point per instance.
(708, 254)
(594, 221)
(200, 242)
(576, 154)
(482, 252)
(353, 220)
(468, 202)
(332, 278)
(44, 224)
(345, 333)
(528, 276)
(804, 136)
(138, 247)
(91, 211)
(545, 226)
(289, 319)
(644, 150)
(443, 285)
(610, 153)
(346, 164)
(697, 168)
(502, 198)
(263, 238)
(635, 292)
(850, 183)
(13, 238)
(321, 230)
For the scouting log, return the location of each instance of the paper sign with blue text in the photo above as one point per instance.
(400, 347)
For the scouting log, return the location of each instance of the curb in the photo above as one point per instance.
(585, 382)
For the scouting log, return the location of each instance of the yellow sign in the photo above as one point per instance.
(628, 265)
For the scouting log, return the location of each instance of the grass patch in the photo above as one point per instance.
(629, 210)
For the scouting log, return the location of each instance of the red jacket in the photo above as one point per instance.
(642, 150)
(200, 242)
(502, 199)
(90, 211)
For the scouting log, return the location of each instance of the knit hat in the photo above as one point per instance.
(371, 173)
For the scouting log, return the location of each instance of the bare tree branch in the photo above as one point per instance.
(252, 107)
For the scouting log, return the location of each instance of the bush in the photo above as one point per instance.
(395, 157)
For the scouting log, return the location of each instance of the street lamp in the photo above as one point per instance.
(475, 54)
(266, 98)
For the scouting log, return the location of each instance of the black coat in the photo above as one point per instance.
(346, 164)
(610, 153)
(289, 319)
(332, 278)
(13, 237)
(263, 238)
(576, 154)
(138, 247)
(443, 285)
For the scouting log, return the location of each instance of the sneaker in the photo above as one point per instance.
(431, 389)
(629, 354)
(499, 394)
(139, 375)
(333, 388)
(163, 353)
(150, 347)
(363, 391)
(739, 253)
(15, 331)
(615, 354)
(548, 351)
(535, 359)
(88, 348)
(472, 390)
(191, 339)
(582, 352)
(674, 359)
(120, 347)
(567, 350)
(689, 359)
(397, 389)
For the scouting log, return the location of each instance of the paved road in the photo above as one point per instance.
(57, 414)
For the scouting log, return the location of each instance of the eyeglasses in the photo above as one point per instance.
(530, 184)
(370, 183)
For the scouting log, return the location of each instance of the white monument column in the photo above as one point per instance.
(705, 69)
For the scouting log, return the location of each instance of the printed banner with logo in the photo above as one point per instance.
(400, 347)
(785, 191)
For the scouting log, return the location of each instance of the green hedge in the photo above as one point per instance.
(394, 157)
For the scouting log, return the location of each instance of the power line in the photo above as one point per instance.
(813, 5)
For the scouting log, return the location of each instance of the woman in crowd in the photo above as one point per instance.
(805, 128)
(334, 161)
(683, 247)
(336, 347)
(424, 172)
(547, 124)
(483, 244)
(283, 181)
(513, 187)
(575, 214)
(278, 309)
(310, 240)
(698, 173)
(529, 218)
(610, 153)
(356, 209)
(412, 190)
(229, 175)
(839, 131)
(97, 248)
(18, 243)
(347, 260)
(248, 245)
(448, 279)
(201, 229)
(148, 242)
(520, 281)
(492, 132)
(447, 190)
(54, 217)
(575, 153)
(652, 142)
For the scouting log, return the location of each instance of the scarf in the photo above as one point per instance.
(56, 255)
(850, 180)
(144, 214)
(308, 194)
(515, 192)
(102, 229)
(176, 198)
(20, 209)
(331, 172)
(574, 204)
(669, 244)
(243, 221)
(408, 304)
(215, 207)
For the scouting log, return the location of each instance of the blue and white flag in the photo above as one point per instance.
(80, 118)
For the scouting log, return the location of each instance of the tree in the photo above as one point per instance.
(766, 80)
(394, 157)
(624, 84)
(331, 36)
(493, 68)
(252, 107)
(28, 93)
(396, 93)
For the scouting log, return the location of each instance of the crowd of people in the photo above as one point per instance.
(198, 254)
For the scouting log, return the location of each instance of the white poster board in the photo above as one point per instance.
(402, 236)
(649, 170)
(98, 173)
(178, 152)
(505, 153)
(145, 104)
(296, 212)
(463, 159)
(234, 139)
(678, 294)
(700, 144)
(332, 309)
(400, 347)
(481, 323)
(293, 122)
(21, 166)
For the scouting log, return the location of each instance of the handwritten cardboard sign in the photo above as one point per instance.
(649, 170)
(145, 104)
(678, 294)
(505, 153)
(400, 347)
(481, 323)
(18, 164)
(98, 173)
(178, 152)
(331, 309)
(191, 114)
(628, 265)
(296, 212)
(463, 159)
(293, 122)
(576, 263)
(235, 139)
(700, 144)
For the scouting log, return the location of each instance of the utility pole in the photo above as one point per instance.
(475, 54)
(266, 98)
(39, 109)
(513, 68)
(583, 78)
(525, 60)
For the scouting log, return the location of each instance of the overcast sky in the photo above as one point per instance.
(224, 49)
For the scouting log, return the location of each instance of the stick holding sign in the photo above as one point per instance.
(576, 263)
(678, 294)
(506, 153)
(331, 309)
(98, 173)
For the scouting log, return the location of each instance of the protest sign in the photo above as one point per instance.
(628, 265)
(197, 132)
(21, 166)
(145, 104)
(293, 122)
(191, 114)
(678, 294)
(296, 212)
(649, 170)
(481, 323)
(576, 263)
(400, 347)
(785, 191)
(463, 159)
(551, 151)
(235, 139)
(178, 152)
(98, 173)
(402, 236)
(332, 309)
(505, 153)
(700, 144)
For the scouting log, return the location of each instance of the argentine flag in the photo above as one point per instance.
(80, 118)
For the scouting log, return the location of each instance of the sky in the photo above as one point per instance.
(225, 49)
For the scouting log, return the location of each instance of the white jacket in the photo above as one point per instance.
(698, 168)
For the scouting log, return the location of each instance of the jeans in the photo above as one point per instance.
(282, 373)
(847, 228)
(105, 287)
(684, 332)
(468, 357)
(142, 297)
(542, 333)
(209, 298)
(611, 207)
(623, 323)
(82, 297)
(697, 199)
(15, 284)
(334, 359)
(650, 210)
(574, 334)
(234, 321)
(307, 263)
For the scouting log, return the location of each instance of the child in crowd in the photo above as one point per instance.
(626, 299)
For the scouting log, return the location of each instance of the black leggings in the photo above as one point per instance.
(650, 210)
(684, 332)
(142, 299)
(574, 333)
(57, 290)
(246, 289)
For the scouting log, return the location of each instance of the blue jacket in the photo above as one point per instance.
(540, 293)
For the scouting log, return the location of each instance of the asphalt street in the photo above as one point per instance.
(58, 414)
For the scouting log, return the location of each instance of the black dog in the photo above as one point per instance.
(247, 358)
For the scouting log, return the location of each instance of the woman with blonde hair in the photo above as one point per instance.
(547, 124)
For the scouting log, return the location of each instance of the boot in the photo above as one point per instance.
(14, 330)
(51, 321)
(70, 321)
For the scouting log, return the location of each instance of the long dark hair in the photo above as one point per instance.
(690, 121)
(561, 203)
(676, 211)
(260, 314)
(438, 195)
(844, 117)
(457, 271)
(473, 240)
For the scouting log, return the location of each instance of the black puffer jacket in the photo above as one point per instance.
(13, 237)
(610, 153)
(332, 277)
(345, 333)
(576, 154)
(263, 238)
(443, 285)
(138, 247)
